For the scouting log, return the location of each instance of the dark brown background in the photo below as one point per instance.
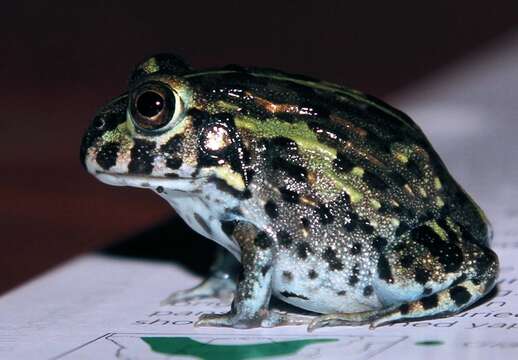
(60, 60)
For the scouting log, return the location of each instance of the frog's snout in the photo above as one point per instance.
(105, 121)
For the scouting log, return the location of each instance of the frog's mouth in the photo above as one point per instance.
(171, 182)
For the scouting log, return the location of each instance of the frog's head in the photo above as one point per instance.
(164, 133)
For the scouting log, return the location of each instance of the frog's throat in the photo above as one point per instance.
(152, 182)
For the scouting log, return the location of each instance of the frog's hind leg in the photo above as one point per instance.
(431, 274)
(220, 284)
(443, 303)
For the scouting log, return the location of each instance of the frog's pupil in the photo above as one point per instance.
(150, 104)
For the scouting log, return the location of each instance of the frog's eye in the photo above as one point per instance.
(215, 138)
(153, 106)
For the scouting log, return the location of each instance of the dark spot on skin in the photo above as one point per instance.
(283, 142)
(476, 281)
(201, 221)
(485, 261)
(427, 291)
(141, 157)
(374, 181)
(228, 227)
(379, 243)
(107, 156)
(159, 189)
(172, 176)
(448, 254)
(325, 214)
(295, 171)
(287, 276)
(289, 196)
(302, 250)
(421, 276)
(342, 163)
(366, 227)
(271, 209)
(414, 168)
(385, 209)
(427, 216)
(379, 143)
(402, 228)
(344, 200)
(384, 271)
(173, 147)
(400, 247)
(262, 240)
(353, 280)
(284, 238)
(305, 223)
(341, 293)
(222, 185)
(404, 309)
(460, 295)
(250, 173)
(406, 261)
(264, 269)
(330, 257)
(353, 222)
(290, 294)
(356, 248)
(247, 194)
(430, 302)
(312, 274)
(398, 179)
(458, 280)
(368, 290)
(173, 163)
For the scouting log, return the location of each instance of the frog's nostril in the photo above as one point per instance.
(99, 123)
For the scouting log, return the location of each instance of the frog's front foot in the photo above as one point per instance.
(265, 319)
(216, 286)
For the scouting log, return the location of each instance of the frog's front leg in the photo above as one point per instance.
(250, 307)
(220, 284)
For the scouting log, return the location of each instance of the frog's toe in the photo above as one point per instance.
(281, 318)
(213, 287)
(215, 320)
(268, 319)
(227, 320)
(343, 319)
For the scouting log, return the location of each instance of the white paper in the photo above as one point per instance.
(100, 307)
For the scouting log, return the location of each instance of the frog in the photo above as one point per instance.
(320, 196)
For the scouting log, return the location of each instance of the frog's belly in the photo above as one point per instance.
(328, 292)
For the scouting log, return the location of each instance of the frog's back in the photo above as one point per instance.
(379, 158)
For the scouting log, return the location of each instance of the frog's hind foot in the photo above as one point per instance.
(216, 286)
(346, 319)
